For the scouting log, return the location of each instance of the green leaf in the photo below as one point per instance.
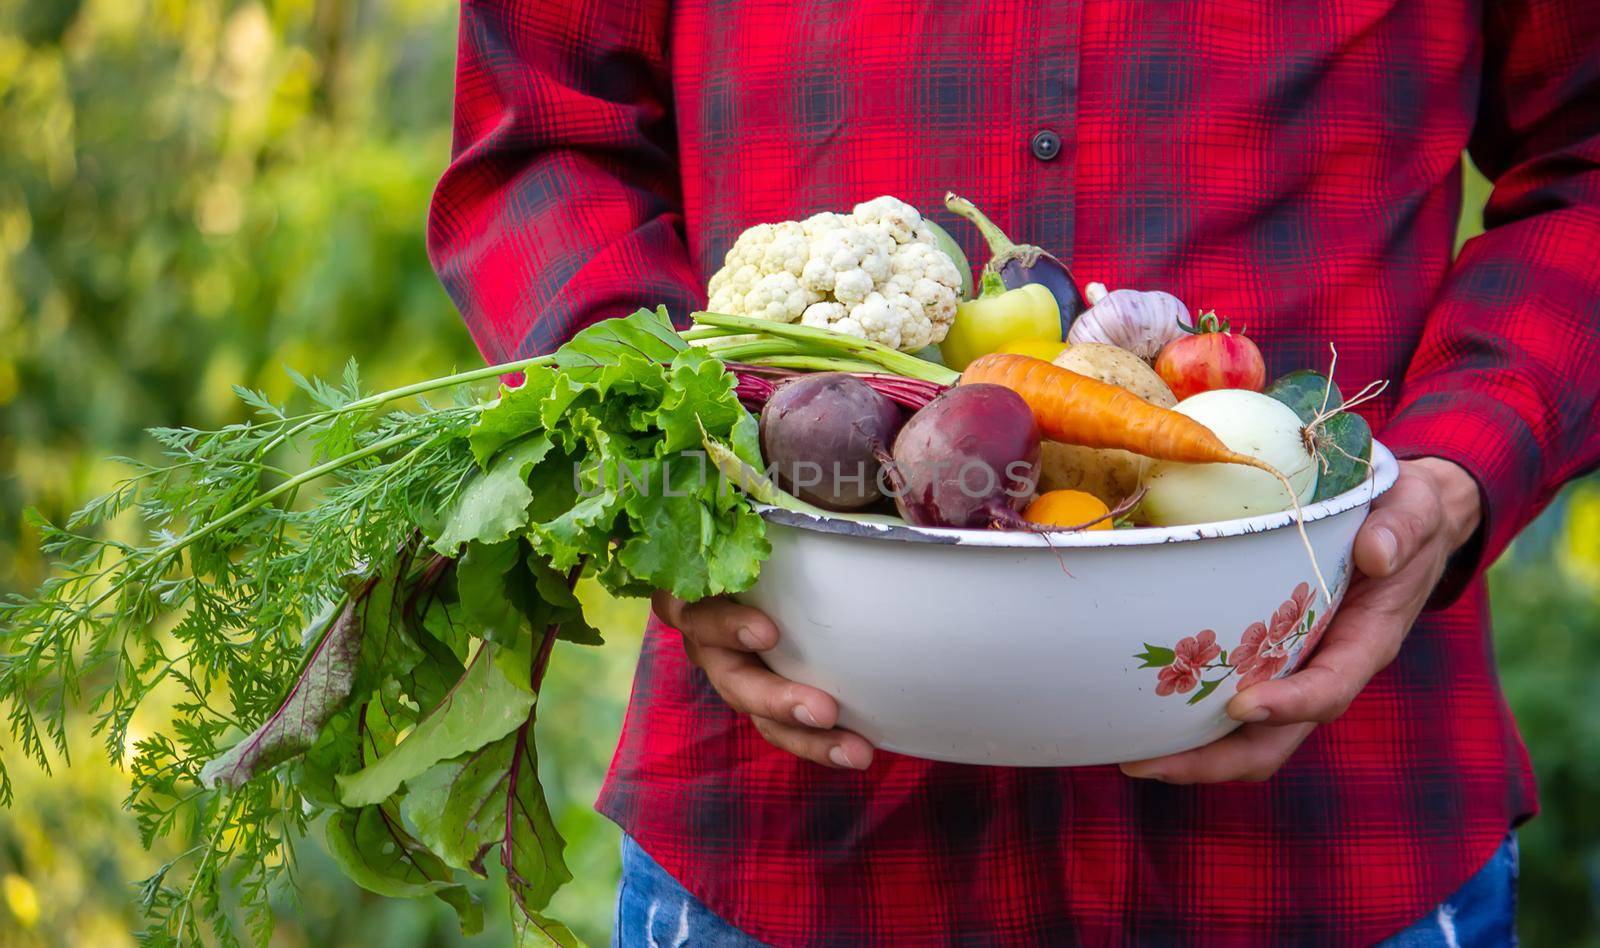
(473, 476)
(483, 706)
(734, 558)
(535, 929)
(491, 507)
(318, 693)
(701, 398)
(511, 417)
(445, 623)
(616, 579)
(458, 807)
(584, 529)
(387, 649)
(484, 581)
(645, 335)
(566, 392)
(532, 850)
(336, 751)
(1155, 656)
(1206, 687)
(429, 680)
(555, 487)
(490, 803)
(506, 594)
(734, 467)
(745, 439)
(373, 848)
(555, 591)
(679, 544)
(667, 549)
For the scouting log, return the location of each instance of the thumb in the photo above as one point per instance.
(1402, 522)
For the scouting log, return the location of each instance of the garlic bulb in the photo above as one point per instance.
(1140, 321)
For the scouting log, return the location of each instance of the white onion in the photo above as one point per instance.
(1249, 423)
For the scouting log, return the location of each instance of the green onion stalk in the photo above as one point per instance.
(812, 349)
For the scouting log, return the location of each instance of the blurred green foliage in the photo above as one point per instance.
(194, 193)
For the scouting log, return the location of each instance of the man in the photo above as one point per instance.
(1293, 164)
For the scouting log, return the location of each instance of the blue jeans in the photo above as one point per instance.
(654, 911)
(1482, 912)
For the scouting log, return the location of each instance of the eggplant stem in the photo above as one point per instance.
(1026, 255)
(1002, 249)
(999, 243)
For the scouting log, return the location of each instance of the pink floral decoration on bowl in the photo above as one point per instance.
(1198, 664)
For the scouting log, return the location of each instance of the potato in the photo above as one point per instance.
(1107, 473)
(1118, 366)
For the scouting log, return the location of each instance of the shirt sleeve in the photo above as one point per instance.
(561, 205)
(1506, 378)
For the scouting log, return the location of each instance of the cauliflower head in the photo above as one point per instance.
(876, 273)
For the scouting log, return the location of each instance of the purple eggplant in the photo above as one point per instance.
(1023, 264)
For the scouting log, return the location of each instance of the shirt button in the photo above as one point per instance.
(1045, 145)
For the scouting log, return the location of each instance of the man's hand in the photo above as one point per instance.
(721, 637)
(1401, 553)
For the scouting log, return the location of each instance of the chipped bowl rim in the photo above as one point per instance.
(1385, 471)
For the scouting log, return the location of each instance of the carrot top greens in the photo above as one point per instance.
(366, 638)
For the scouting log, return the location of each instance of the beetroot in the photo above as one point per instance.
(969, 460)
(822, 436)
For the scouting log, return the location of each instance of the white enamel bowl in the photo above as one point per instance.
(1017, 649)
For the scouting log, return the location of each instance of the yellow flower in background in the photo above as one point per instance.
(1580, 555)
(21, 899)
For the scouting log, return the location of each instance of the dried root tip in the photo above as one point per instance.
(891, 470)
(1305, 538)
(1299, 515)
(1005, 518)
(1368, 392)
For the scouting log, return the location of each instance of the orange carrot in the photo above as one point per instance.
(1076, 409)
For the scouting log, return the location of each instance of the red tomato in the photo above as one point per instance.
(1210, 358)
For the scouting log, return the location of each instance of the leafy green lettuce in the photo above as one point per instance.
(413, 716)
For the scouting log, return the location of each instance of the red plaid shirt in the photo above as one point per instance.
(1294, 164)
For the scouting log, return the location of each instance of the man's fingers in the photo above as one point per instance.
(834, 748)
(717, 622)
(719, 636)
(1319, 693)
(751, 688)
(1402, 562)
(1252, 753)
(1402, 523)
(1365, 637)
